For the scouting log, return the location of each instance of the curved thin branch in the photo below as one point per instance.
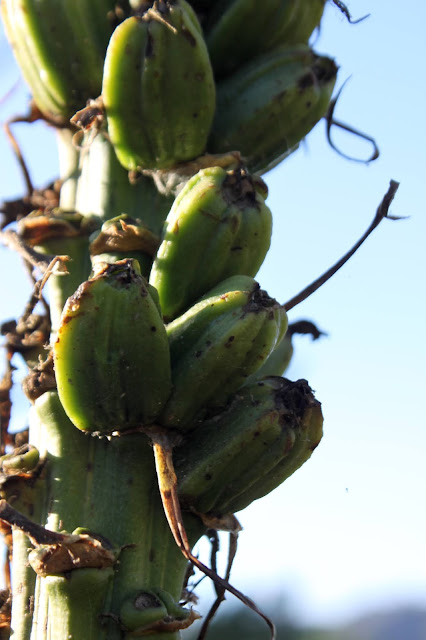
(332, 122)
(381, 213)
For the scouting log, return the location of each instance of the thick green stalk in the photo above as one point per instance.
(95, 184)
(69, 161)
(23, 587)
(105, 485)
(104, 188)
(108, 486)
(28, 497)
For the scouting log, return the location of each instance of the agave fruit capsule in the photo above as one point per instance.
(111, 356)
(60, 48)
(218, 226)
(266, 107)
(216, 345)
(268, 430)
(233, 27)
(158, 87)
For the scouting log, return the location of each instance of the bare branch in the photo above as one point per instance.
(381, 213)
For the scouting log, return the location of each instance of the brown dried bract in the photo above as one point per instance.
(26, 334)
(41, 199)
(74, 552)
(125, 234)
(40, 380)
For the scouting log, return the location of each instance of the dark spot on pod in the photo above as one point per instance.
(153, 329)
(188, 36)
(89, 467)
(149, 47)
(229, 342)
(209, 214)
(207, 476)
(306, 81)
(198, 354)
(146, 600)
(68, 318)
(151, 555)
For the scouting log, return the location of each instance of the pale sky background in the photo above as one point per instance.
(347, 533)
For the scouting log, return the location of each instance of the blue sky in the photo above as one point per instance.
(347, 532)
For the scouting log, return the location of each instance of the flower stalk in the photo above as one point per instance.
(159, 409)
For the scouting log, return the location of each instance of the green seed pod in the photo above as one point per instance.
(233, 26)
(219, 226)
(60, 47)
(112, 361)
(269, 430)
(309, 430)
(278, 360)
(216, 345)
(267, 107)
(158, 87)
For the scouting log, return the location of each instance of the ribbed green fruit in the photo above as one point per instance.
(267, 107)
(219, 226)
(111, 356)
(158, 87)
(237, 31)
(216, 345)
(60, 47)
(309, 431)
(277, 361)
(269, 430)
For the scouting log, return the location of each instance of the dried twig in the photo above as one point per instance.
(220, 591)
(332, 122)
(343, 8)
(167, 482)
(381, 213)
